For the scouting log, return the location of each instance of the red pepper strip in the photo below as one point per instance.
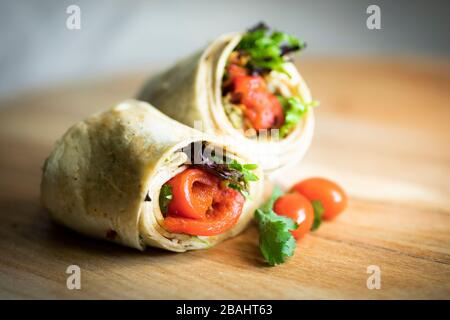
(224, 214)
(192, 192)
(245, 84)
(200, 206)
(263, 109)
(234, 71)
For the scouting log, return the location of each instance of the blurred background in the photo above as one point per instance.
(37, 49)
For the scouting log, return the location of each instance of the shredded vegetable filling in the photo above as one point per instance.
(257, 92)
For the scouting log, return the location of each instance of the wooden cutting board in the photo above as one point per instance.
(382, 132)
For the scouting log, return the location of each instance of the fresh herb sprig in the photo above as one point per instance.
(244, 176)
(246, 170)
(236, 176)
(267, 50)
(275, 239)
(294, 110)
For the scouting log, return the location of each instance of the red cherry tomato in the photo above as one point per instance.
(331, 195)
(299, 209)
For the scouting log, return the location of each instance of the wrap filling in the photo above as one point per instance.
(207, 197)
(258, 91)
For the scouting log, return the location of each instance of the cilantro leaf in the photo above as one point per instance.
(267, 50)
(245, 170)
(165, 196)
(294, 110)
(318, 212)
(275, 239)
(235, 175)
(250, 166)
(239, 175)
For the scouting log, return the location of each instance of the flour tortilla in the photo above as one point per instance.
(190, 92)
(101, 172)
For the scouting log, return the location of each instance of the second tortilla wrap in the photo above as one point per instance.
(194, 87)
(104, 176)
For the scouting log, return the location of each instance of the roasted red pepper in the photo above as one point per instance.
(192, 193)
(263, 109)
(201, 205)
(234, 70)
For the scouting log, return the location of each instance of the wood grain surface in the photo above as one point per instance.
(382, 132)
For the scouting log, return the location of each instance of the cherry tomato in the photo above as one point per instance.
(299, 209)
(331, 195)
(192, 193)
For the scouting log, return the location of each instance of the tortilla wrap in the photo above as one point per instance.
(194, 87)
(104, 176)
